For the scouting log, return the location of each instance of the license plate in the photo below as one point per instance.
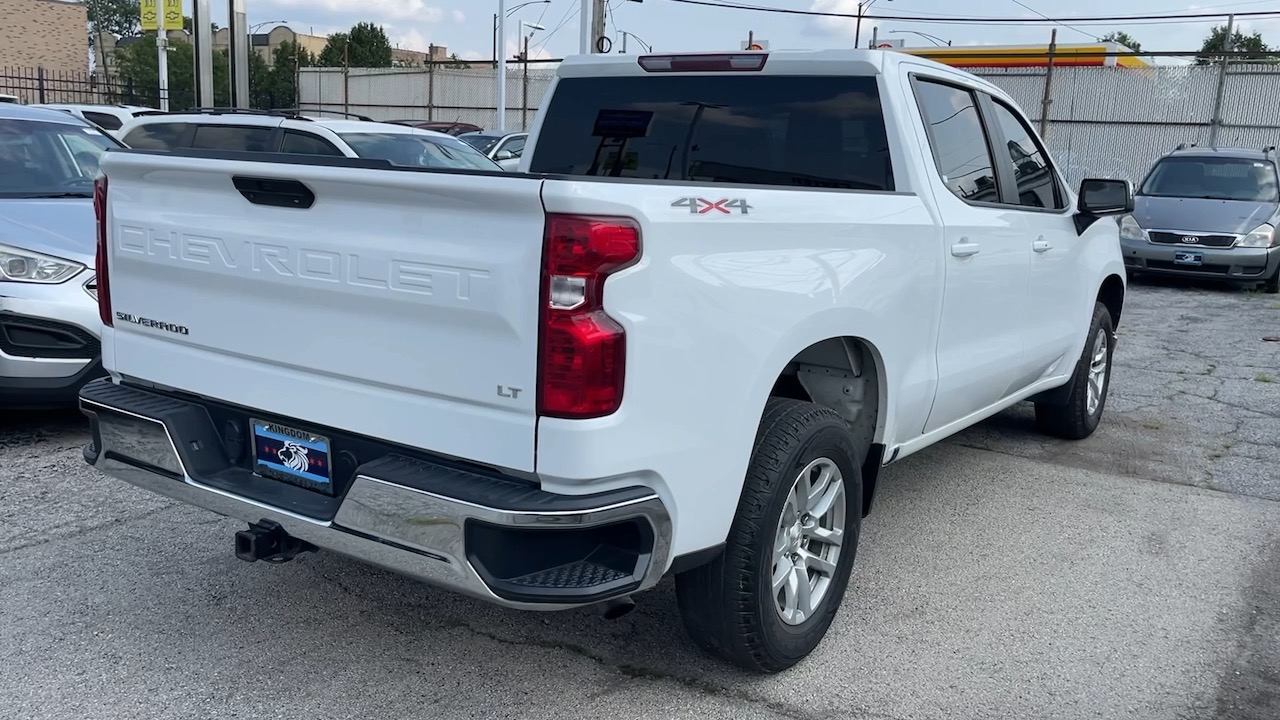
(1186, 257)
(291, 455)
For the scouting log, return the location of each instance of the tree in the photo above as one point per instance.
(456, 63)
(365, 45)
(189, 25)
(277, 85)
(1122, 38)
(117, 17)
(1252, 45)
(136, 65)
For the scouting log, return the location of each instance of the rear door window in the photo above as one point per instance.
(156, 136)
(233, 137)
(961, 151)
(788, 131)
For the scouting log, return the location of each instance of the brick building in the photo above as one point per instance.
(44, 33)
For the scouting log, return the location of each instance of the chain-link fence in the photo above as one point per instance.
(1116, 121)
(454, 92)
(1102, 121)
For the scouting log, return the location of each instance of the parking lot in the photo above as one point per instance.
(1002, 575)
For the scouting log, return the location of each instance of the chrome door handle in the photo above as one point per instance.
(964, 248)
(1042, 245)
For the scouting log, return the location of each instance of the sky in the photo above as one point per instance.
(465, 27)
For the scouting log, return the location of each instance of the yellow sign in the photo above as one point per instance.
(161, 14)
(172, 14)
(150, 11)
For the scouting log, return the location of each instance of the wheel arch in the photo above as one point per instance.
(847, 374)
(1111, 294)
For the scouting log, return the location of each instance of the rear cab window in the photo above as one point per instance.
(103, 120)
(773, 130)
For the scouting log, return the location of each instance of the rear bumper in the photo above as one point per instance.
(484, 535)
(1235, 264)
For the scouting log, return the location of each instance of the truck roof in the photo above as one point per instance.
(776, 62)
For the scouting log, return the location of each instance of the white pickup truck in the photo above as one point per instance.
(722, 293)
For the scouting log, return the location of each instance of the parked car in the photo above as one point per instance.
(1207, 213)
(49, 326)
(503, 148)
(108, 117)
(728, 291)
(7, 98)
(448, 128)
(296, 134)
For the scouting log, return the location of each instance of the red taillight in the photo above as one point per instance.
(736, 62)
(100, 262)
(582, 351)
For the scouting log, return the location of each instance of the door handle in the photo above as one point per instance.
(964, 248)
(1041, 245)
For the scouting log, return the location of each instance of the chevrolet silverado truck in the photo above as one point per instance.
(719, 295)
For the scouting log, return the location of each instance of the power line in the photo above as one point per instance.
(563, 21)
(1021, 4)
(963, 20)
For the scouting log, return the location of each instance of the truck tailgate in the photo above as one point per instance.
(401, 305)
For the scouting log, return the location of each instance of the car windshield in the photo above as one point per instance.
(48, 159)
(1213, 178)
(414, 150)
(483, 143)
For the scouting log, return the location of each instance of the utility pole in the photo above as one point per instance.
(1047, 100)
(597, 24)
(524, 92)
(203, 36)
(500, 54)
(1228, 45)
(238, 52)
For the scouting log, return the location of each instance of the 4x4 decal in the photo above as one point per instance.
(702, 206)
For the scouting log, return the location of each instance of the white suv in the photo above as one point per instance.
(108, 117)
(291, 133)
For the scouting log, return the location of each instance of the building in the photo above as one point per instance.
(45, 34)
(1024, 56)
(266, 43)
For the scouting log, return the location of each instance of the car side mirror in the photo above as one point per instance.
(1106, 197)
(504, 155)
(1099, 197)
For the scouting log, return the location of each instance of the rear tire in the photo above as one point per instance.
(1079, 417)
(767, 601)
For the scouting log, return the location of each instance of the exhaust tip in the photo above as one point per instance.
(616, 608)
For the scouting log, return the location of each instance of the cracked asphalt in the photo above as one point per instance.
(1002, 575)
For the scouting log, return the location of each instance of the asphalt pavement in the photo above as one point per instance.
(1002, 575)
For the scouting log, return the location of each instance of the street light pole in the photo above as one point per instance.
(502, 66)
(939, 42)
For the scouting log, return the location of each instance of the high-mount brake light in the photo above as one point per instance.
(100, 259)
(582, 351)
(735, 62)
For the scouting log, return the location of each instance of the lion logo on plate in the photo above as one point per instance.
(294, 457)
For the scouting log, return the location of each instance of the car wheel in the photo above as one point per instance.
(766, 602)
(1079, 417)
(1271, 285)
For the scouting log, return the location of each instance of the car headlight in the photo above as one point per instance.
(1131, 230)
(1263, 236)
(25, 266)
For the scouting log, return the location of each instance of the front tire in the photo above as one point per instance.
(1271, 285)
(767, 601)
(1079, 417)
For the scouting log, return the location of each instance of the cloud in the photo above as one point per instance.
(410, 39)
(535, 52)
(473, 55)
(401, 10)
(458, 16)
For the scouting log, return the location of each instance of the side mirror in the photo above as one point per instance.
(1105, 197)
(504, 155)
